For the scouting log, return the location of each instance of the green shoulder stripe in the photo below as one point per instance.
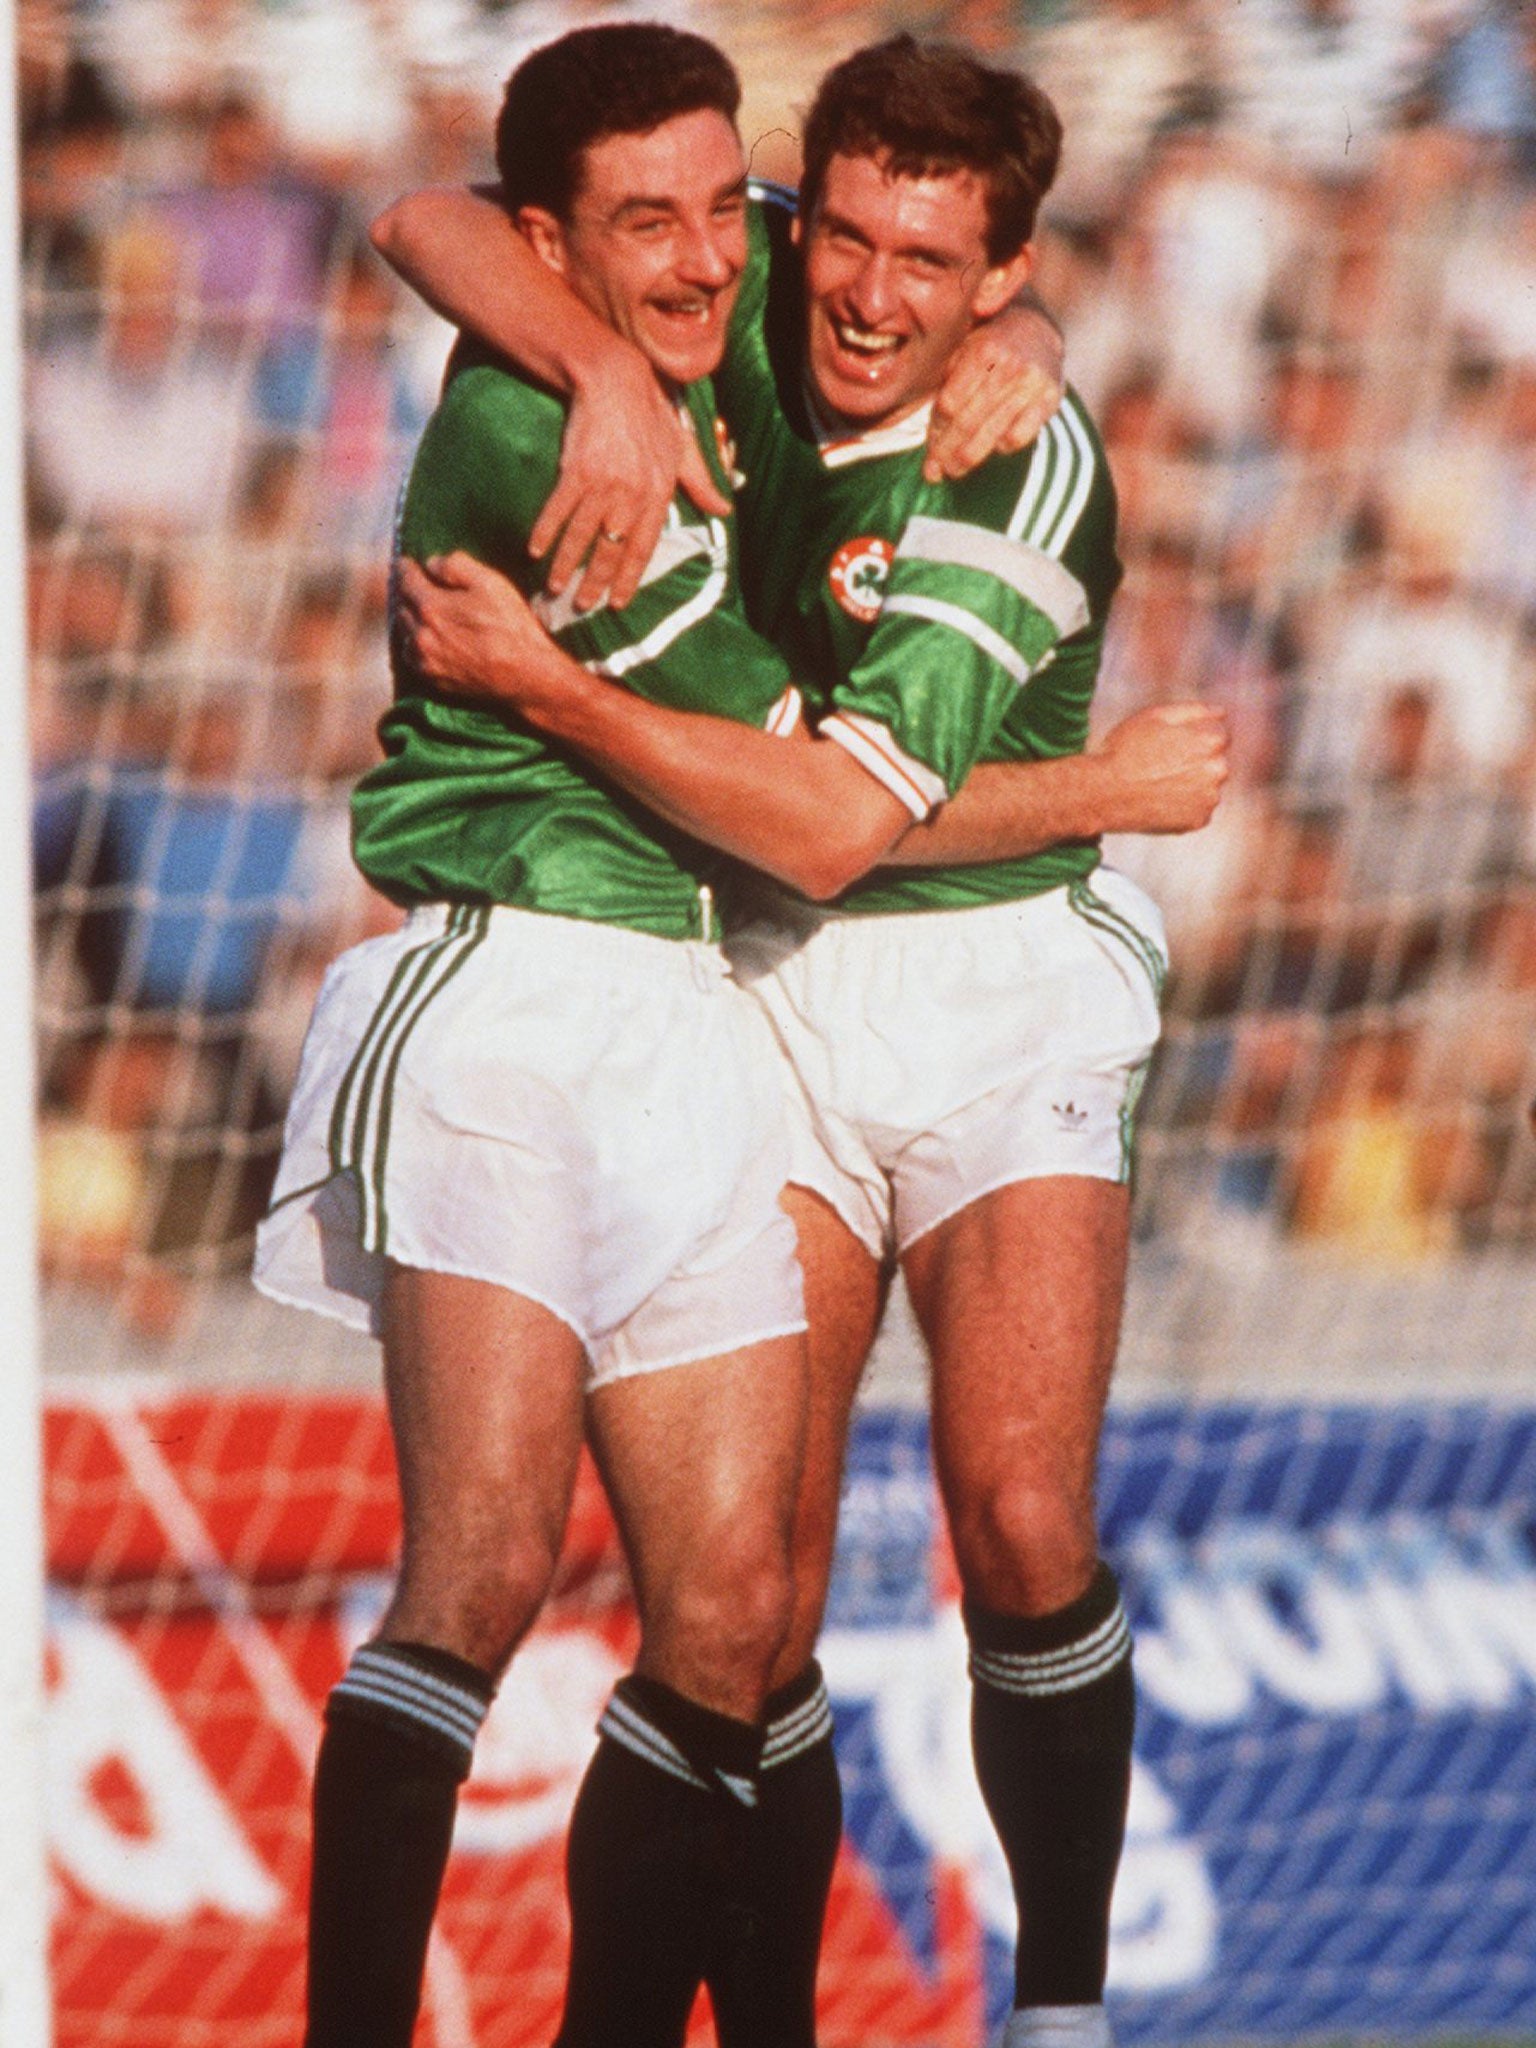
(1057, 483)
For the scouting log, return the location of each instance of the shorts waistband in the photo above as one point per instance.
(538, 934)
(805, 920)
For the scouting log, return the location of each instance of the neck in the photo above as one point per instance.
(833, 425)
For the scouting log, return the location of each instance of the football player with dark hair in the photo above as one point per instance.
(537, 1146)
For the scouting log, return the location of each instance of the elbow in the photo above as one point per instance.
(384, 233)
(823, 870)
(405, 232)
(820, 880)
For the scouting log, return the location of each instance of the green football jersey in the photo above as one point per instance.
(469, 804)
(933, 626)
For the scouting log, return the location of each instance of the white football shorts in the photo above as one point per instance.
(933, 1057)
(586, 1115)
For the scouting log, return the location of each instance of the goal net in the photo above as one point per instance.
(1295, 269)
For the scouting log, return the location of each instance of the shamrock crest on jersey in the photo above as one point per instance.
(857, 574)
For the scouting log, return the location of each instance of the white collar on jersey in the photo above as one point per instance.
(839, 447)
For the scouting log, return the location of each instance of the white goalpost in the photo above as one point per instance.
(24, 2002)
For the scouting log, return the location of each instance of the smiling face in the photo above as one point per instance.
(656, 240)
(896, 275)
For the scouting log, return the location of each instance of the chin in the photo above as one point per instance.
(863, 404)
(680, 366)
(685, 358)
(851, 398)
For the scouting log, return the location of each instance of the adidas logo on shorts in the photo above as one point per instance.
(1069, 1116)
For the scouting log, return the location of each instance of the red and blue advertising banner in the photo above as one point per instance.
(1333, 1818)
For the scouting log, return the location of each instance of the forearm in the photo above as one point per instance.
(802, 811)
(1160, 770)
(461, 252)
(1008, 811)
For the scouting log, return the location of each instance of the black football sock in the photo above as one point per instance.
(764, 1987)
(656, 1864)
(400, 1730)
(1052, 1713)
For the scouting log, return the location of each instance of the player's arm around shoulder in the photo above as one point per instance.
(624, 451)
(1003, 383)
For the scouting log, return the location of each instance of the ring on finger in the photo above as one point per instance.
(617, 539)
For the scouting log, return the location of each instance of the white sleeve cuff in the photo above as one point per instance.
(786, 715)
(870, 743)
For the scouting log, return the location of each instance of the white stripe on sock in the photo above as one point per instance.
(394, 1683)
(1056, 1671)
(1057, 2026)
(633, 1732)
(799, 1731)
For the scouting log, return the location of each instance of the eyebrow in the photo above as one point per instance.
(839, 224)
(664, 202)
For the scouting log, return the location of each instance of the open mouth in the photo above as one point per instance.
(863, 351)
(693, 311)
(865, 345)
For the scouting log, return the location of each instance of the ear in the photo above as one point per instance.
(544, 235)
(1002, 283)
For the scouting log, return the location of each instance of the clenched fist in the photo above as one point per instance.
(1164, 768)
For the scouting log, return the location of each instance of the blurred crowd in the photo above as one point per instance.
(1293, 250)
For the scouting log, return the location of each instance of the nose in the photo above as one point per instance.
(871, 290)
(705, 260)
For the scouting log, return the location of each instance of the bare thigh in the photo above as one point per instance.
(702, 1462)
(1019, 1297)
(485, 1402)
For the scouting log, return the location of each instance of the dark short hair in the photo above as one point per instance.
(927, 109)
(620, 78)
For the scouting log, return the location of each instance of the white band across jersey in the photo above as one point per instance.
(1035, 575)
(676, 623)
(940, 611)
(675, 545)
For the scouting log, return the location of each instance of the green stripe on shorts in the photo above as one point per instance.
(1135, 1087)
(360, 1120)
(1114, 924)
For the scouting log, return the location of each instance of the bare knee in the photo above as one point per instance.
(1022, 1546)
(478, 1606)
(716, 1627)
(738, 1599)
